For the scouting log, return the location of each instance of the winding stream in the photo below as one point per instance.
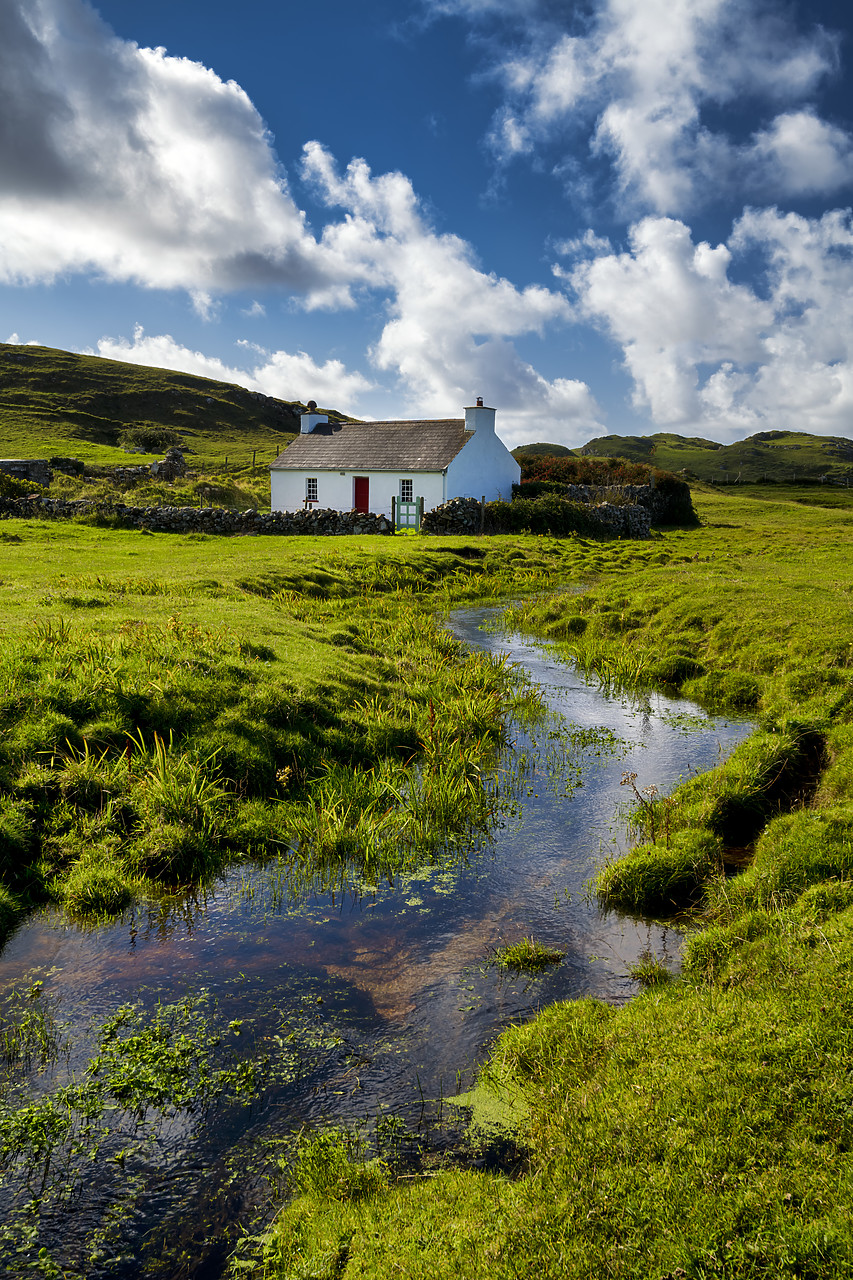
(367, 1003)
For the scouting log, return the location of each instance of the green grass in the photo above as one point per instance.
(170, 703)
(704, 1130)
(330, 721)
(527, 956)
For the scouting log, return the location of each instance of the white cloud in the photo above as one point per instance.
(278, 373)
(450, 327)
(804, 155)
(649, 86)
(138, 166)
(256, 309)
(707, 355)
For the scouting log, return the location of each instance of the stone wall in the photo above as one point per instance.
(216, 520)
(36, 470)
(459, 516)
(463, 516)
(664, 506)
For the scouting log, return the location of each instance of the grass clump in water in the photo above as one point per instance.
(527, 956)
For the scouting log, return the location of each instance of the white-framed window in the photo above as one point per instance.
(311, 489)
(406, 490)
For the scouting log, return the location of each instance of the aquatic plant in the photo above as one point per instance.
(527, 956)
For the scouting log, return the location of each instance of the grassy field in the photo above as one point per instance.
(170, 703)
(705, 1129)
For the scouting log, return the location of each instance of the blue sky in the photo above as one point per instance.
(613, 216)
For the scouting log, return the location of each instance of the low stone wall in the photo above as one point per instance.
(458, 516)
(664, 507)
(463, 516)
(216, 520)
(36, 470)
(623, 521)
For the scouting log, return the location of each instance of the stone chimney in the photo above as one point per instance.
(479, 418)
(311, 418)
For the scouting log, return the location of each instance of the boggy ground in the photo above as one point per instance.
(705, 1129)
(171, 703)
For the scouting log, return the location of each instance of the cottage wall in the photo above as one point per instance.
(484, 467)
(337, 491)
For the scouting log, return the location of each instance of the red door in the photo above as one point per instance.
(362, 494)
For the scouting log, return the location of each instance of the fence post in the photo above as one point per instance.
(393, 513)
(254, 451)
(482, 514)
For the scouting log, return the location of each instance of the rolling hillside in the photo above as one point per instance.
(787, 457)
(54, 403)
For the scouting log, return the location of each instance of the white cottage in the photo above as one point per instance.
(361, 466)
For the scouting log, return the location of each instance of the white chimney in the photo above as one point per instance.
(479, 418)
(311, 418)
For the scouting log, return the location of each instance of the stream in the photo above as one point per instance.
(371, 1004)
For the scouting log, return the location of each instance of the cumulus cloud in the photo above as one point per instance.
(803, 155)
(450, 327)
(725, 359)
(651, 87)
(278, 373)
(138, 166)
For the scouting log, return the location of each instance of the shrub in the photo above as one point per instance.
(11, 487)
(150, 438)
(547, 515)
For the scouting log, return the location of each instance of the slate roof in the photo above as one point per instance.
(427, 445)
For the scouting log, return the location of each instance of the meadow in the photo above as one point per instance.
(172, 704)
(704, 1129)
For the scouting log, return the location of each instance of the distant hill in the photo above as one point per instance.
(55, 403)
(543, 451)
(783, 456)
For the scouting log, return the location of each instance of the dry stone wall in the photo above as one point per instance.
(464, 516)
(459, 516)
(215, 520)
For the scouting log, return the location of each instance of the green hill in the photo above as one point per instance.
(786, 457)
(54, 403)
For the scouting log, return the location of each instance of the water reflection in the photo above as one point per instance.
(381, 995)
